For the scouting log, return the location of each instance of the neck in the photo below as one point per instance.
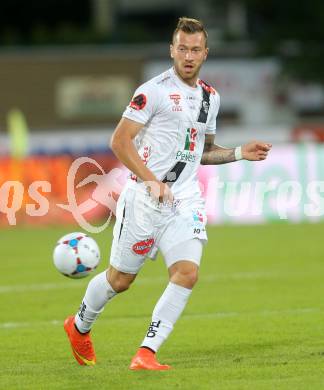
(191, 82)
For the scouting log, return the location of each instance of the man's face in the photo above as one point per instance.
(188, 51)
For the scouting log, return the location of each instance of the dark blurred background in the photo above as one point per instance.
(292, 31)
(41, 42)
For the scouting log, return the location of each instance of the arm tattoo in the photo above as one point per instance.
(215, 154)
(218, 156)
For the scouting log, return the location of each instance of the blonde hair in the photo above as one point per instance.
(190, 26)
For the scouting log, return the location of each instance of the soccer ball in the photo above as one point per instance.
(76, 255)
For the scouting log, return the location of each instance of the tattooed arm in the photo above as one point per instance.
(214, 154)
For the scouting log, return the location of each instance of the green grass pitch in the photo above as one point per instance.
(254, 321)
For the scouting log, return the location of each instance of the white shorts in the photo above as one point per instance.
(190, 250)
(142, 228)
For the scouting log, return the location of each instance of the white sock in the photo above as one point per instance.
(165, 314)
(98, 293)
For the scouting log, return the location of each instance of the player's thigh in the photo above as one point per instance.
(184, 237)
(133, 235)
(184, 257)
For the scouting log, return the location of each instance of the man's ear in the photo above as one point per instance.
(206, 53)
(171, 48)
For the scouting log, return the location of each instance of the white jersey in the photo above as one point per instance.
(176, 118)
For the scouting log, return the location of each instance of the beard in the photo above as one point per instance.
(187, 75)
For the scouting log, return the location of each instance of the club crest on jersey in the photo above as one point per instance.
(205, 106)
(138, 102)
(175, 97)
(186, 154)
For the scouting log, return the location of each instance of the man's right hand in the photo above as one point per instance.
(159, 191)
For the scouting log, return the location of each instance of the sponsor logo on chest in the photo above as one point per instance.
(187, 154)
(176, 99)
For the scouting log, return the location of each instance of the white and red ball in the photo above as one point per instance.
(76, 255)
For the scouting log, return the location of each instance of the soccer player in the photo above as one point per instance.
(165, 133)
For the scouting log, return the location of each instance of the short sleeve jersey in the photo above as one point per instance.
(176, 118)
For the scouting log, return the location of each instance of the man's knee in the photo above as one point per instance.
(184, 273)
(119, 281)
(190, 277)
(119, 285)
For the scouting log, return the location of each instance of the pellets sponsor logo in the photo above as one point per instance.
(185, 156)
(143, 247)
(138, 102)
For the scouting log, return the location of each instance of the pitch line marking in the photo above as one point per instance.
(219, 315)
(22, 288)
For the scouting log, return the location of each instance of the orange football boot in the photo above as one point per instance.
(145, 360)
(81, 344)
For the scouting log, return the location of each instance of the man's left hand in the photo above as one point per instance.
(255, 151)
